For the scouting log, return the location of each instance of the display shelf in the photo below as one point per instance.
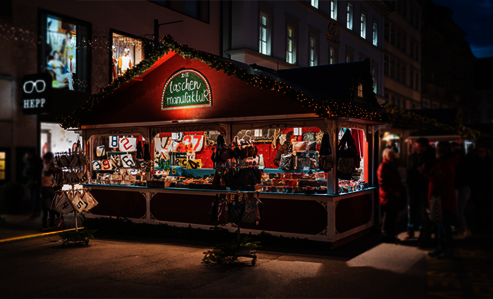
(199, 191)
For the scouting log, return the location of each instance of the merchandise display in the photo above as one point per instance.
(351, 153)
(118, 160)
(203, 160)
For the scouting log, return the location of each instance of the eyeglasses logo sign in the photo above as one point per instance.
(36, 93)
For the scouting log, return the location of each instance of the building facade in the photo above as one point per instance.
(289, 34)
(447, 63)
(83, 45)
(402, 59)
(484, 91)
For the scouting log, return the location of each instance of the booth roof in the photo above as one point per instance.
(330, 90)
(438, 121)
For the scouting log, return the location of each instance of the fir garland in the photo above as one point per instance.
(323, 109)
(405, 118)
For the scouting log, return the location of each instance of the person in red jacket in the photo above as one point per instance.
(441, 178)
(390, 189)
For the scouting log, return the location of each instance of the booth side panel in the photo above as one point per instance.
(290, 216)
(119, 204)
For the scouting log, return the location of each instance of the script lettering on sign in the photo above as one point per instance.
(186, 89)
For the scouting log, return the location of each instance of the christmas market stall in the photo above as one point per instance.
(188, 138)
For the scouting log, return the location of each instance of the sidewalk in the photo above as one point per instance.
(19, 225)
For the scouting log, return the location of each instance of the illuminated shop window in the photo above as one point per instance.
(65, 51)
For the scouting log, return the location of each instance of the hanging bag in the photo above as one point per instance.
(235, 210)
(436, 214)
(346, 154)
(250, 210)
(286, 162)
(89, 200)
(326, 162)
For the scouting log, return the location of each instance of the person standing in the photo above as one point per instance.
(462, 182)
(34, 167)
(417, 185)
(441, 184)
(390, 188)
(481, 168)
(47, 192)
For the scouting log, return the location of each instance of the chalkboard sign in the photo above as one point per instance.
(186, 89)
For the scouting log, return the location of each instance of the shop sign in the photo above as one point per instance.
(36, 93)
(186, 89)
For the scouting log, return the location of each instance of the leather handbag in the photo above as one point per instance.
(299, 146)
(346, 153)
(286, 162)
(326, 160)
(311, 146)
(235, 210)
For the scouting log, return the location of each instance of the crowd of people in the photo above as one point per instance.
(440, 181)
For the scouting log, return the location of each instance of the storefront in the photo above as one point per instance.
(155, 139)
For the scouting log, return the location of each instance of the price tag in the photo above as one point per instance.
(114, 141)
(127, 144)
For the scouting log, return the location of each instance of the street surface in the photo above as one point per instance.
(154, 268)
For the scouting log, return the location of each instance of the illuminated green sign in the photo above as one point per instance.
(186, 89)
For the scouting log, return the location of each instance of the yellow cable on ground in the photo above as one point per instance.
(37, 235)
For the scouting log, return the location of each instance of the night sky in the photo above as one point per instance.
(475, 17)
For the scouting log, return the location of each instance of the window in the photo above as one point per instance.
(360, 90)
(314, 3)
(349, 57)
(404, 74)
(392, 69)
(411, 78)
(197, 9)
(411, 48)
(398, 40)
(291, 46)
(398, 72)
(392, 35)
(363, 25)
(404, 43)
(386, 64)
(416, 82)
(374, 73)
(126, 53)
(313, 52)
(333, 9)
(393, 101)
(3, 165)
(264, 44)
(386, 31)
(375, 34)
(65, 54)
(349, 16)
(332, 55)
(416, 54)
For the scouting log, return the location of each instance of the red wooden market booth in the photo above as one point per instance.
(185, 127)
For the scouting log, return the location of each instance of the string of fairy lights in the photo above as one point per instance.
(322, 108)
(393, 115)
(405, 118)
(14, 33)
